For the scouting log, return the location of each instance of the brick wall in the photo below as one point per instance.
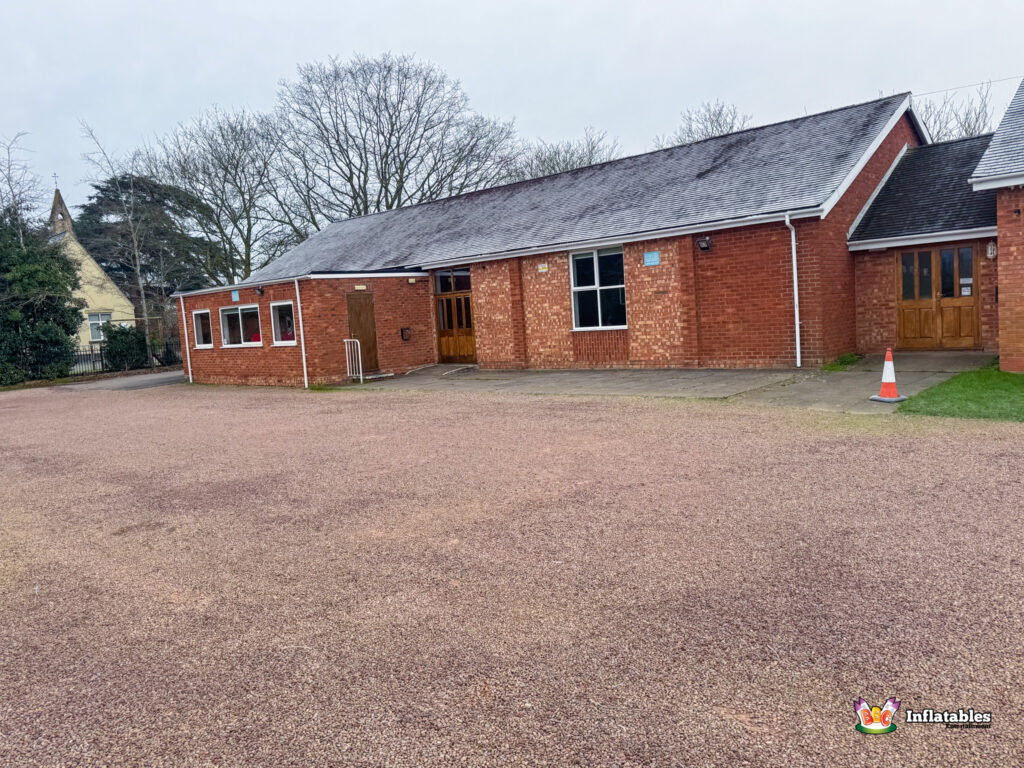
(1010, 221)
(498, 314)
(397, 304)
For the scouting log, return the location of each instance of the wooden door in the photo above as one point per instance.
(363, 326)
(455, 336)
(937, 290)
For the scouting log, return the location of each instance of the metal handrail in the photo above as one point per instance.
(354, 366)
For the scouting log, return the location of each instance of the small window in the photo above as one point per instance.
(450, 280)
(96, 321)
(283, 320)
(240, 326)
(598, 289)
(202, 328)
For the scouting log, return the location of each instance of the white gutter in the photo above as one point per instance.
(302, 336)
(796, 290)
(184, 320)
(926, 238)
(996, 182)
(311, 276)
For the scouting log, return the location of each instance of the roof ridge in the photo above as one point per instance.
(537, 179)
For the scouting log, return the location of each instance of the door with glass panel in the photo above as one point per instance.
(937, 290)
(454, 305)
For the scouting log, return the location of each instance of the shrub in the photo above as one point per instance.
(124, 347)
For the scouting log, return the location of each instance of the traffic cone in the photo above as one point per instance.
(888, 393)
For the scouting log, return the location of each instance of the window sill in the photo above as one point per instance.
(283, 344)
(243, 344)
(601, 328)
(203, 346)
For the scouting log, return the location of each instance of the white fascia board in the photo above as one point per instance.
(318, 276)
(363, 275)
(240, 286)
(636, 237)
(996, 182)
(927, 238)
(885, 178)
(837, 195)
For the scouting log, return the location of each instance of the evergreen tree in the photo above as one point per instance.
(38, 315)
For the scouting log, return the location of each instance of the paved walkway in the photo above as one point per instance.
(133, 381)
(845, 391)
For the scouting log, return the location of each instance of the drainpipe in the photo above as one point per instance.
(302, 335)
(188, 354)
(796, 289)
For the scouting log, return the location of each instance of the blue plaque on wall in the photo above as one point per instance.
(652, 258)
(234, 295)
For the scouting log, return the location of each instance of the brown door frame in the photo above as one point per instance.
(460, 335)
(936, 301)
(367, 346)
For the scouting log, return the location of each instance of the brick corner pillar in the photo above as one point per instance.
(1010, 221)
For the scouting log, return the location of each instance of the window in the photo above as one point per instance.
(451, 280)
(240, 326)
(598, 289)
(96, 321)
(202, 329)
(282, 319)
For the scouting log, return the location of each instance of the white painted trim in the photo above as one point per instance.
(796, 291)
(636, 237)
(836, 196)
(302, 335)
(273, 326)
(601, 328)
(239, 308)
(596, 288)
(184, 320)
(363, 275)
(926, 238)
(919, 124)
(240, 287)
(885, 178)
(195, 327)
(996, 182)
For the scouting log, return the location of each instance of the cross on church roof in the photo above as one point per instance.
(55, 181)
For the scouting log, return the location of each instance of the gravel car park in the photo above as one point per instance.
(199, 576)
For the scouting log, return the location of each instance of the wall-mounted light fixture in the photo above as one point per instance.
(991, 250)
(259, 290)
(704, 243)
(406, 334)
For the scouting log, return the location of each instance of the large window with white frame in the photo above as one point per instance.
(598, 290)
(282, 318)
(202, 329)
(240, 326)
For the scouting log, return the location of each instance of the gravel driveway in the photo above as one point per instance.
(200, 576)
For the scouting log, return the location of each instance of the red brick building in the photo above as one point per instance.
(779, 246)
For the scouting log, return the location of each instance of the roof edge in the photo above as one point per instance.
(922, 238)
(1000, 181)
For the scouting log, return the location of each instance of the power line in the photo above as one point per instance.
(970, 85)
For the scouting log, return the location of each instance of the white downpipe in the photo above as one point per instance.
(796, 289)
(302, 335)
(188, 354)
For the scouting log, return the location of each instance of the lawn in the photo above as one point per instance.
(229, 576)
(986, 393)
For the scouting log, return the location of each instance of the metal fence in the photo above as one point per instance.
(94, 358)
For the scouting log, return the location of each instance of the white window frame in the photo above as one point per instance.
(99, 325)
(596, 287)
(195, 328)
(239, 308)
(273, 325)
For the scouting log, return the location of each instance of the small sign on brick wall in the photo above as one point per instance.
(542, 267)
(652, 258)
(234, 295)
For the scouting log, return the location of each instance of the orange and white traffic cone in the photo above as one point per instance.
(888, 393)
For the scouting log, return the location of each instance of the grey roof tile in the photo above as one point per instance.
(1005, 155)
(785, 166)
(929, 192)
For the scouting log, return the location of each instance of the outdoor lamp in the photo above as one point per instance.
(704, 243)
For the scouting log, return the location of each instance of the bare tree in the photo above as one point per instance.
(958, 117)
(19, 188)
(122, 173)
(710, 119)
(375, 134)
(227, 160)
(544, 159)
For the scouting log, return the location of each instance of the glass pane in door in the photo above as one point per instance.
(907, 271)
(924, 274)
(947, 273)
(965, 258)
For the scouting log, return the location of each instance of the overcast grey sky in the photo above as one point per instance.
(135, 69)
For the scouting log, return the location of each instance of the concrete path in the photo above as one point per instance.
(134, 381)
(844, 391)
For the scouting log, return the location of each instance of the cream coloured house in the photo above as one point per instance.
(104, 301)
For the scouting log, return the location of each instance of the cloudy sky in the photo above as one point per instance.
(134, 69)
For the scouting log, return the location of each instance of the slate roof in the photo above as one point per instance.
(1005, 155)
(786, 166)
(929, 192)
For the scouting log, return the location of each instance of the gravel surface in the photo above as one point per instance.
(212, 576)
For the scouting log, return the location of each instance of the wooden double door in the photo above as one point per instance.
(937, 298)
(455, 338)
